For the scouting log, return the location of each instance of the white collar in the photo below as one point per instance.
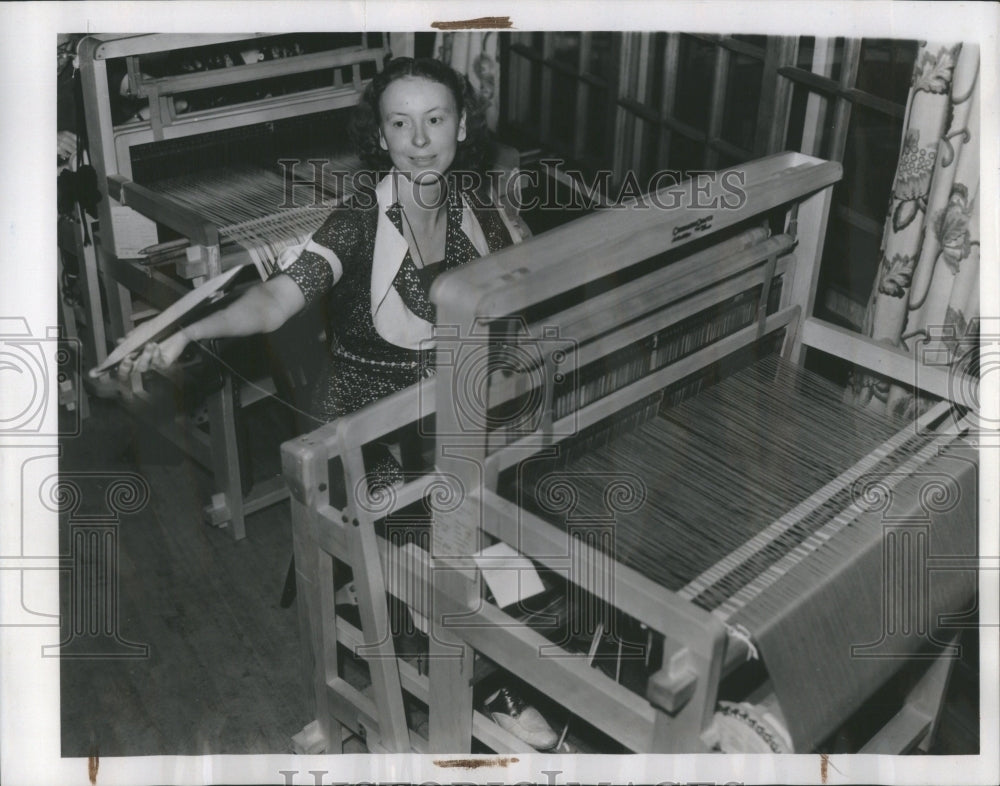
(393, 320)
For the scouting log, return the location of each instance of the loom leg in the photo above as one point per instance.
(71, 391)
(314, 581)
(119, 300)
(451, 664)
(378, 651)
(226, 509)
(311, 741)
(684, 693)
(812, 217)
(90, 293)
(451, 706)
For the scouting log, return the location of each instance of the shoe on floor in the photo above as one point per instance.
(510, 711)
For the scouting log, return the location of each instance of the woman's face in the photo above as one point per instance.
(421, 127)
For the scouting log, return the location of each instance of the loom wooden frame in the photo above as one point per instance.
(681, 696)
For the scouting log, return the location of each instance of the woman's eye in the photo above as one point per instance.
(397, 123)
(435, 120)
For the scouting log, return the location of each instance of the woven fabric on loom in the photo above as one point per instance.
(715, 471)
(255, 207)
(744, 501)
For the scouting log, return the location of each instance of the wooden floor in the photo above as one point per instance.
(223, 672)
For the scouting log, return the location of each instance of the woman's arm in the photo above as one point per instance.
(262, 309)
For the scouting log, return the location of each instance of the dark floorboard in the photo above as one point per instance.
(223, 673)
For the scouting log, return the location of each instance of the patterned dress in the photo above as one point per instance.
(363, 366)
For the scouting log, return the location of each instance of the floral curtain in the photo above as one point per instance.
(927, 288)
(475, 55)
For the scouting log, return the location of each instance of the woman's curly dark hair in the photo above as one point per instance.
(474, 153)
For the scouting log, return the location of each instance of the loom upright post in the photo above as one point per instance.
(807, 223)
(684, 691)
(461, 458)
(304, 472)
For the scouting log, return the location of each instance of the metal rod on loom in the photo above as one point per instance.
(168, 246)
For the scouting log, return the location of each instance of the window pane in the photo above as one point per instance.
(694, 79)
(540, 218)
(739, 116)
(887, 68)
(650, 147)
(725, 161)
(807, 46)
(601, 52)
(563, 111)
(526, 39)
(838, 59)
(657, 73)
(599, 110)
(873, 141)
(685, 154)
(850, 261)
(566, 48)
(756, 40)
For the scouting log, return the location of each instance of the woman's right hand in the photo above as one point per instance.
(155, 355)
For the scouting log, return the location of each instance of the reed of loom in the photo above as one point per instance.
(594, 386)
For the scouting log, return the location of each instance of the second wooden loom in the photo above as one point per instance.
(208, 182)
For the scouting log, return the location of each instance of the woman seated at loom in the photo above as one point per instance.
(422, 122)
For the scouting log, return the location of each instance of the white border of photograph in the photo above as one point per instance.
(29, 701)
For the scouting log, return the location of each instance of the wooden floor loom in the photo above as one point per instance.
(639, 422)
(191, 187)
